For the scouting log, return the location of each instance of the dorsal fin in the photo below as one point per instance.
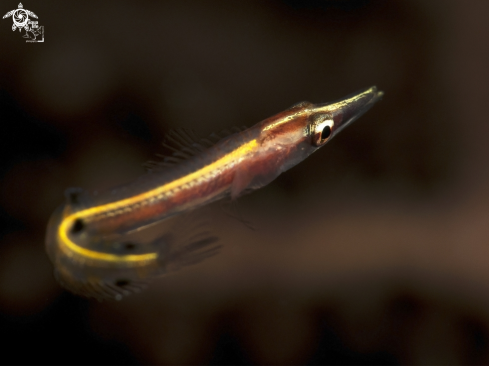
(301, 105)
(183, 143)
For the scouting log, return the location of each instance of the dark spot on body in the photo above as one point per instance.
(74, 198)
(78, 226)
(122, 283)
(129, 246)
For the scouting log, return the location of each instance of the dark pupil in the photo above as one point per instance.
(326, 132)
(129, 246)
(78, 226)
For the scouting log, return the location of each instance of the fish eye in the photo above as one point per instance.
(326, 132)
(322, 131)
(78, 226)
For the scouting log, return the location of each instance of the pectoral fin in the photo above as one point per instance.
(242, 179)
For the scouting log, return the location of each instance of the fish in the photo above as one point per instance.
(90, 238)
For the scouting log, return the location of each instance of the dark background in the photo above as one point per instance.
(374, 250)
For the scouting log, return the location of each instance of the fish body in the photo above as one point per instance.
(87, 237)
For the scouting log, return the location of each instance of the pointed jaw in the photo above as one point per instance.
(348, 109)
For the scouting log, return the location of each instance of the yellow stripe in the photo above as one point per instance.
(68, 221)
(63, 229)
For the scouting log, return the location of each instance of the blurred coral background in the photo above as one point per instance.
(375, 250)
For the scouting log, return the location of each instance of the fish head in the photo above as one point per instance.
(328, 119)
(310, 126)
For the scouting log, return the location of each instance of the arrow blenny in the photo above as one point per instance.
(88, 237)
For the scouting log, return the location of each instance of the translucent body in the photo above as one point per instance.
(87, 237)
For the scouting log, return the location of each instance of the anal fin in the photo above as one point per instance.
(242, 179)
(187, 240)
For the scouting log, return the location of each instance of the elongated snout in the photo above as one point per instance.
(348, 109)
